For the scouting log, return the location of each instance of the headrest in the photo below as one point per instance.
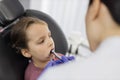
(9, 11)
(12, 65)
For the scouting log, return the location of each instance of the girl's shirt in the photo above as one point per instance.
(32, 72)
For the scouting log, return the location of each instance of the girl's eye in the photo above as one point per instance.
(41, 42)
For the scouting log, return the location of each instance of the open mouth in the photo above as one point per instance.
(54, 53)
(51, 53)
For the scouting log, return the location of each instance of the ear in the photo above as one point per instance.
(94, 9)
(25, 53)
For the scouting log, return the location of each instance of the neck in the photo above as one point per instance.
(111, 32)
(93, 46)
(40, 64)
(106, 26)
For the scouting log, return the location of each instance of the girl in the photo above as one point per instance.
(32, 38)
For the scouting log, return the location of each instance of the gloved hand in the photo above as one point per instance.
(63, 59)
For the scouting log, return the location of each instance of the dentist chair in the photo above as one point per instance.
(12, 65)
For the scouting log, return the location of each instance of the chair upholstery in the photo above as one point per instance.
(10, 10)
(12, 65)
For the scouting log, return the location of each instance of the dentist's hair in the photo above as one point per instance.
(113, 7)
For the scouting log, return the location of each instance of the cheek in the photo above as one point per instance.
(38, 49)
(38, 52)
(34, 49)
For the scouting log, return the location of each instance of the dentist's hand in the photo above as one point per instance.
(63, 59)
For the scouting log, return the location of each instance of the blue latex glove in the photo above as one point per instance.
(63, 60)
(57, 62)
(60, 61)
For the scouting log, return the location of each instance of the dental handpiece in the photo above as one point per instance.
(53, 52)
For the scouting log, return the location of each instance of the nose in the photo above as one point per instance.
(50, 42)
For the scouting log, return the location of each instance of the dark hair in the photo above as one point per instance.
(113, 7)
(18, 31)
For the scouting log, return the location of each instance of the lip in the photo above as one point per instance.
(50, 54)
(51, 50)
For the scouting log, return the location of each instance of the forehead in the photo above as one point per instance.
(36, 26)
(36, 30)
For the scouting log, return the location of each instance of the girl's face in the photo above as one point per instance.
(40, 43)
